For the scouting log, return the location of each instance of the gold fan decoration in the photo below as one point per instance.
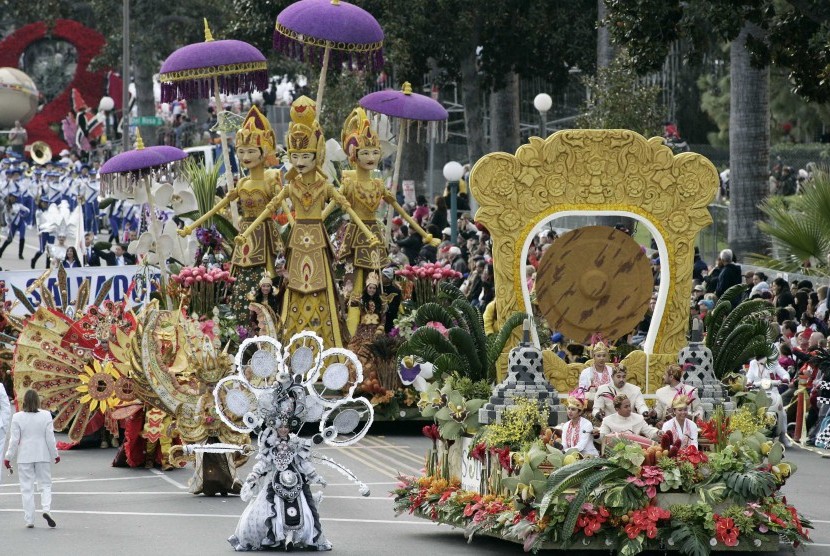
(70, 381)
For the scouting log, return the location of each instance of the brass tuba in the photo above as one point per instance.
(41, 153)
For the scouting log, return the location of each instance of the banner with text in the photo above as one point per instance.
(97, 275)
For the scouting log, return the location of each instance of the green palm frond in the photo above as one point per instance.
(798, 228)
(497, 341)
(433, 312)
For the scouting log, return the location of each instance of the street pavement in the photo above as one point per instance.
(105, 510)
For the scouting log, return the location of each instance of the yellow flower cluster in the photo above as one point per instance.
(750, 421)
(519, 424)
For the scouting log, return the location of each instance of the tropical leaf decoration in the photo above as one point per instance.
(465, 350)
(798, 229)
(749, 486)
(203, 182)
(737, 335)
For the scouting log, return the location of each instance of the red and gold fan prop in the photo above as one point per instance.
(67, 371)
(594, 280)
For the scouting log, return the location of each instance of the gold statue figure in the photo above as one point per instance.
(310, 300)
(262, 246)
(362, 145)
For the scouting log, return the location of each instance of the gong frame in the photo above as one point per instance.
(598, 172)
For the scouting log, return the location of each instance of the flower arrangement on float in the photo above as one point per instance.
(202, 288)
(631, 499)
(425, 280)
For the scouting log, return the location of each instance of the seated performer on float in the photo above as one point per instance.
(681, 426)
(362, 145)
(597, 374)
(626, 423)
(259, 246)
(310, 300)
(604, 398)
(578, 432)
(665, 395)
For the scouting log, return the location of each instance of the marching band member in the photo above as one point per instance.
(16, 216)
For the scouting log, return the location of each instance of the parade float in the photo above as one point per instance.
(276, 281)
(498, 465)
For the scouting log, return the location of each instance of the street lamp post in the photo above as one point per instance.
(542, 102)
(125, 76)
(453, 172)
(105, 107)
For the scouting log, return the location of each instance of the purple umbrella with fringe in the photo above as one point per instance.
(316, 28)
(209, 68)
(124, 171)
(406, 107)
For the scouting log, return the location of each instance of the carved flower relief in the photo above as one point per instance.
(635, 187)
(509, 220)
(688, 185)
(496, 179)
(556, 184)
(678, 222)
(530, 154)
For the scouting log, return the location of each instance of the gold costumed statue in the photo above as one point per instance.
(310, 300)
(260, 249)
(362, 145)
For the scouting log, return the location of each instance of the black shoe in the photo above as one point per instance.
(810, 442)
(49, 520)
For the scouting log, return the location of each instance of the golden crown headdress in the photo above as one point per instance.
(304, 132)
(358, 134)
(373, 278)
(256, 132)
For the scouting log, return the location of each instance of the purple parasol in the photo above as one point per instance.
(123, 171)
(197, 70)
(318, 27)
(331, 24)
(407, 107)
(404, 104)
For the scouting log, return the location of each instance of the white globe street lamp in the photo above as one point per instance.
(542, 102)
(453, 172)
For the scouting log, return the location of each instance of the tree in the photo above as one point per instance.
(791, 33)
(619, 99)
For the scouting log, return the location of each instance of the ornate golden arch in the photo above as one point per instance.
(590, 171)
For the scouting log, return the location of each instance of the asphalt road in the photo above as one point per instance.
(105, 510)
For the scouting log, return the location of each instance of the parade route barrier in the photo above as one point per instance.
(122, 277)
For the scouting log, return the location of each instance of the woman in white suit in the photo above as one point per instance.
(33, 444)
(5, 417)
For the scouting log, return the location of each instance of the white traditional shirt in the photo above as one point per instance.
(634, 423)
(579, 436)
(687, 433)
(604, 398)
(665, 396)
(590, 379)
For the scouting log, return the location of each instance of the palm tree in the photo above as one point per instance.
(748, 143)
(798, 229)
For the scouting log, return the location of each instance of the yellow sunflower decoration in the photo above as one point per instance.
(99, 386)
